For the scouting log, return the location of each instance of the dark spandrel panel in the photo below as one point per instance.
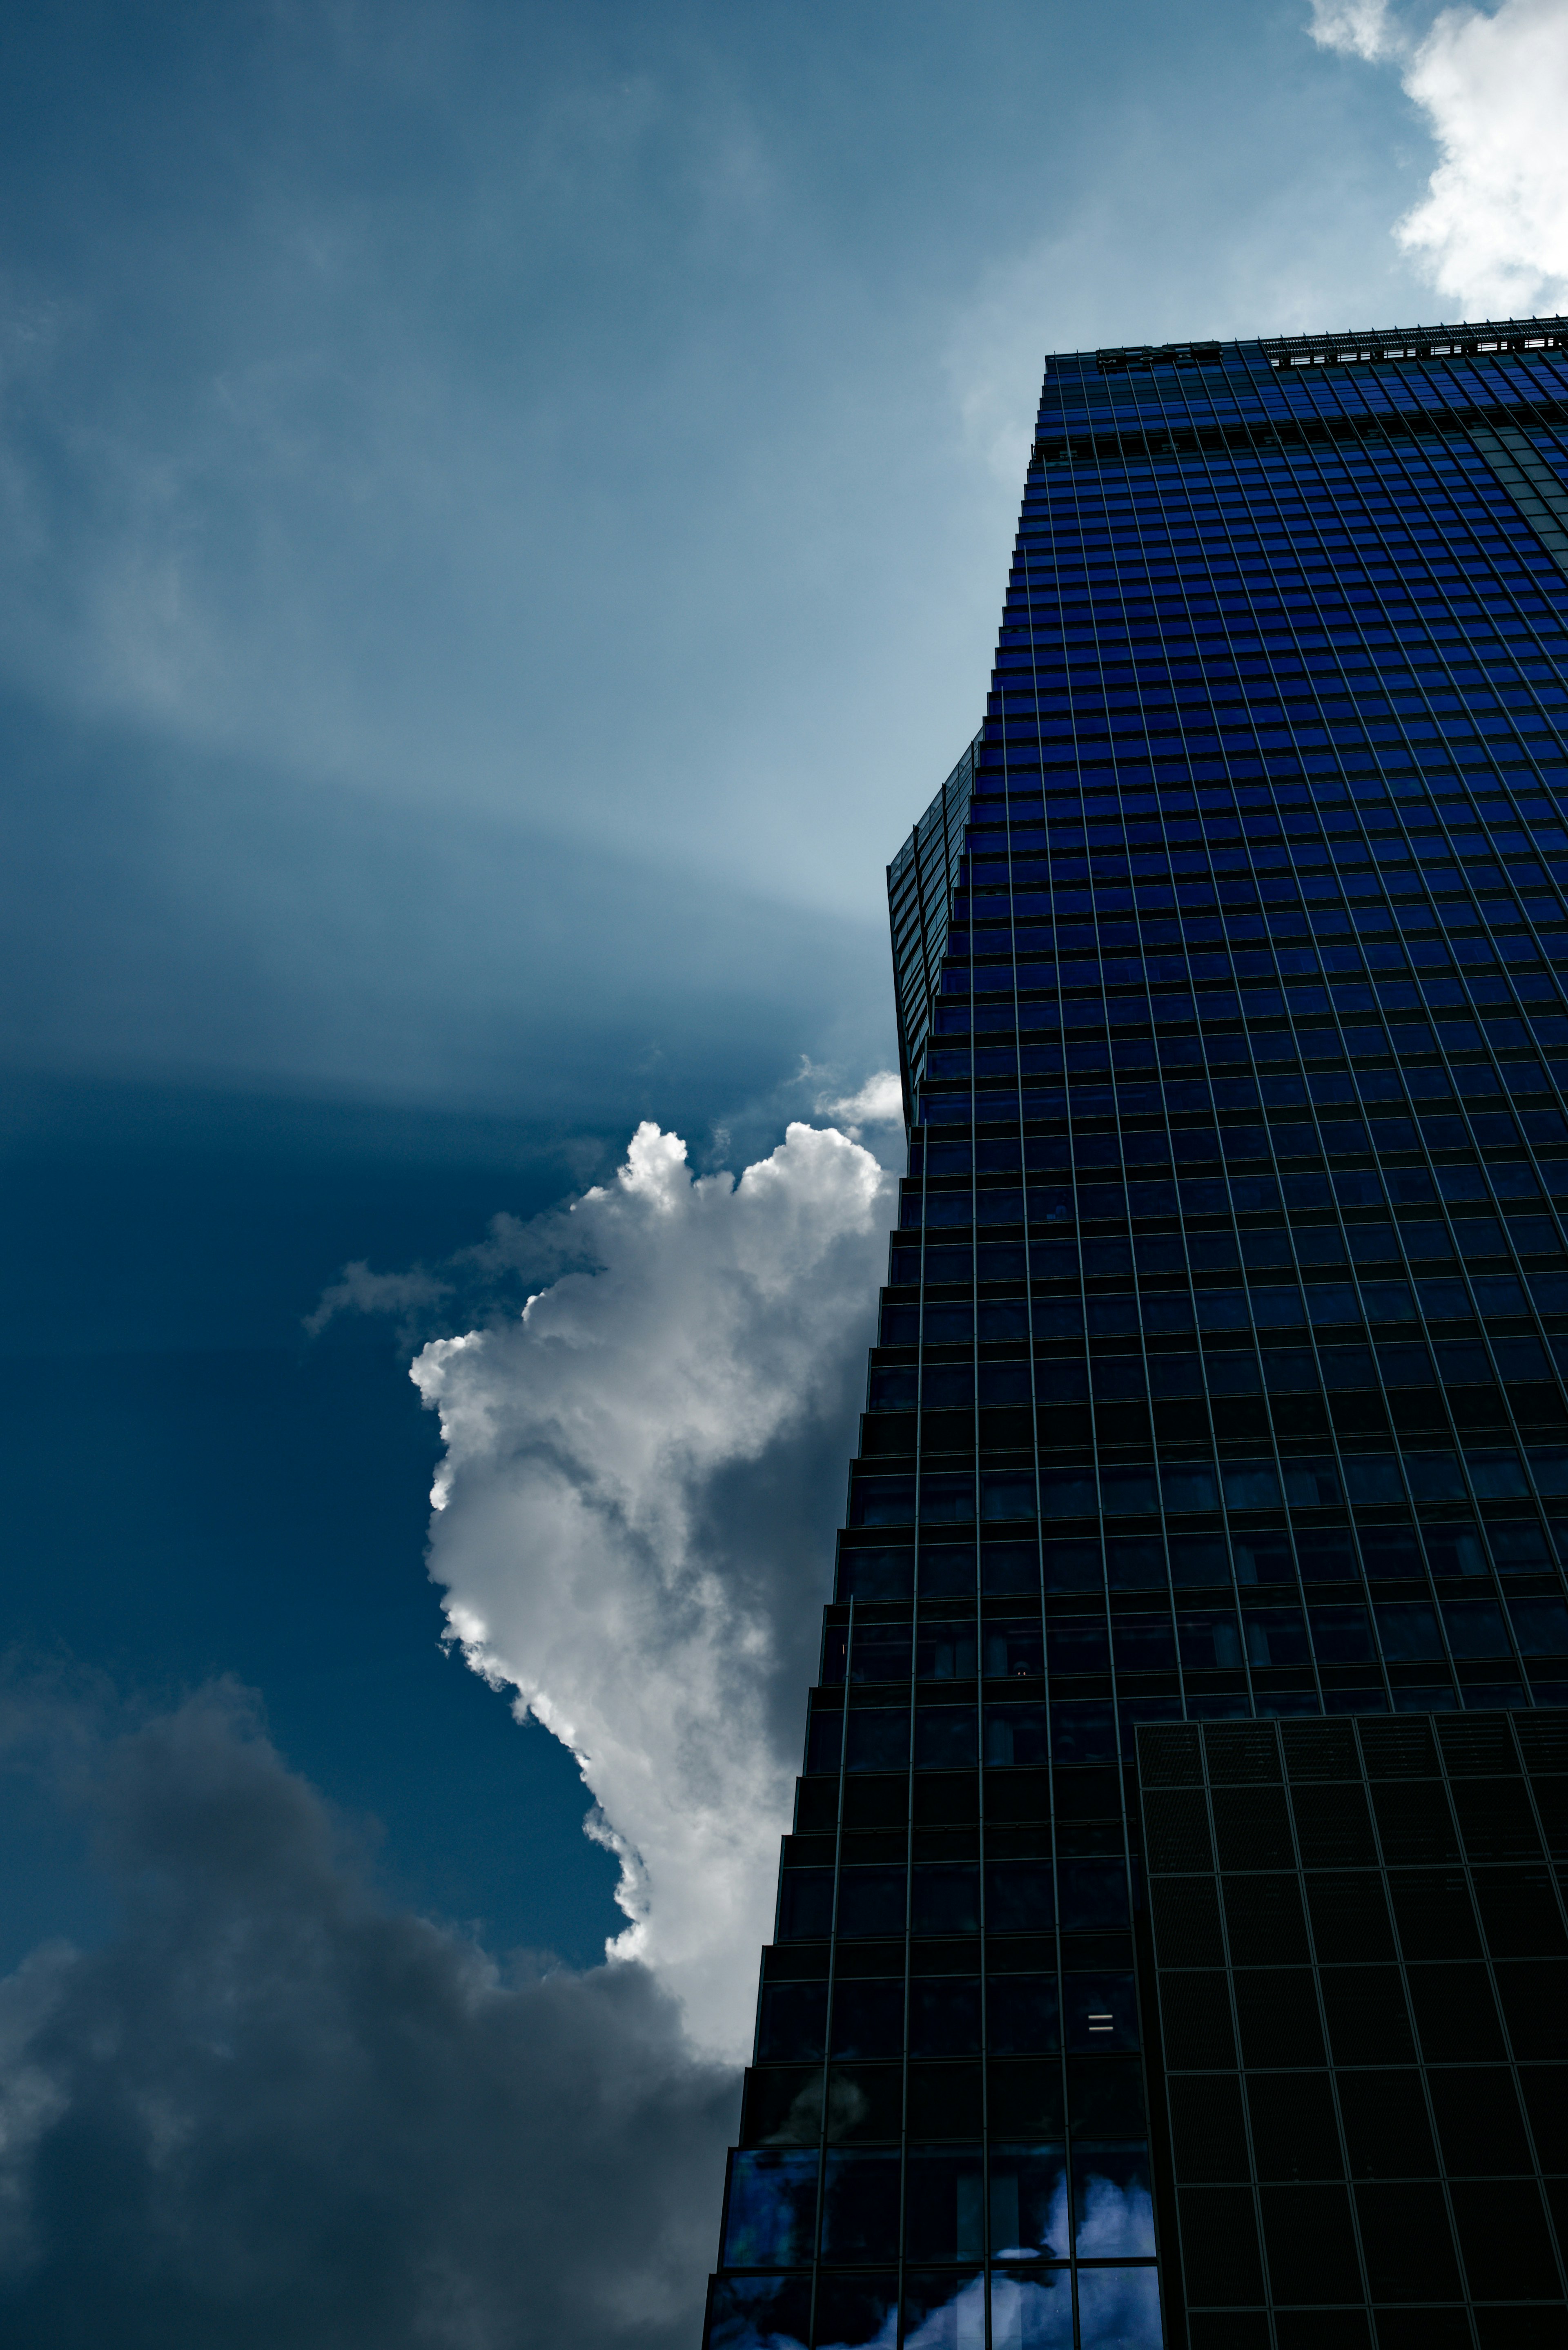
(1414, 1822)
(1295, 2134)
(1252, 1828)
(1222, 2264)
(1497, 1820)
(1248, 1752)
(1547, 2110)
(1433, 1909)
(1209, 2131)
(1195, 2017)
(1332, 1824)
(1408, 2242)
(1387, 2133)
(1187, 1922)
(1176, 1831)
(1506, 2241)
(1311, 2244)
(1276, 2008)
(1552, 1806)
(1478, 1746)
(1543, 1741)
(1456, 2016)
(1480, 2128)
(1319, 1751)
(1264, 1921)
(1522, 1914)
(1532, 1992)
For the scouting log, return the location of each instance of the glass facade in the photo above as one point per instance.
(1363, 2014)
(1219, 1374)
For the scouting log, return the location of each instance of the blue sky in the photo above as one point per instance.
(504, 515)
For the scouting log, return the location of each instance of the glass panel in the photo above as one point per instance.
(805, 1904)
(1032, 2309)
(771, 2209)
(1093, 1894)
(861, 2207)
(945, 2219)
(1113, 2205)
(946, 1736)
(870, 1900)
(1028, 2202)
(877, 1738)
(868, 2017)
(946, 1898)
(857, 2313)
(1021, 2015)
(1118, 2309)
(1099, 2011)
(1016, 1733)
(1018, 1897)
(944, 2311)
(759, 2313)
(944, 2017)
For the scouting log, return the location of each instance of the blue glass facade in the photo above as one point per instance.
(1221, 1372)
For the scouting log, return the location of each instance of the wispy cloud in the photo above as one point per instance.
(360, 1291)
(1356, 29)
(1491, 233)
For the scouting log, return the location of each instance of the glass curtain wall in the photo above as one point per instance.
(1221, 1362)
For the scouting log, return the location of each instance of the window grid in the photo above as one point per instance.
(1188, 1759)
(1269, 801)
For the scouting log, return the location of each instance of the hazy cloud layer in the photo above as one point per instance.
(270, 2109)
(634, 1516)
(503, 509)
(1493, 232)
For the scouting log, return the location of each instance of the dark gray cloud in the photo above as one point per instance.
(269, 2108)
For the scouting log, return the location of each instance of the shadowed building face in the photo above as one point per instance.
(1220, 1380)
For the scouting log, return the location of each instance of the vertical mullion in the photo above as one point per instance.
(1405, 1981)
(1323, 2025)
(1236, 2035)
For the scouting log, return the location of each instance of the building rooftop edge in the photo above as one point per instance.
(1464, 339)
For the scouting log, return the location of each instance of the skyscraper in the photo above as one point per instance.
(1169, 1947)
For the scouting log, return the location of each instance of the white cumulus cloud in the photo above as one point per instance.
(1492, 230)
(634, 1519)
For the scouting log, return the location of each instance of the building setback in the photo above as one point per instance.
(1169, 1946)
